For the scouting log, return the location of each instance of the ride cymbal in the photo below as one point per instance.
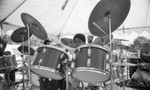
(20, 35)
(117, 10)
(34, 26)
(25, 49)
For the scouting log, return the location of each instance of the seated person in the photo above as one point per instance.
(3, 45)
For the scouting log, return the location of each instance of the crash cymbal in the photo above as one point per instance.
(116, 9)
(24, 49)
(20, 35)
(123, 64)
(66, 41)
(34, 26)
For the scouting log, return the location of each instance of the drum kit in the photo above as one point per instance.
(88, 62)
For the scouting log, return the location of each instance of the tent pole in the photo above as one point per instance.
(14, 10)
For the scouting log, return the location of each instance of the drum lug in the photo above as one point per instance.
(40, 62)
(61, 56)
(58, 66)
(88, 62)
(79, 50)
(44, 50)
(74, 56)
(89, 52)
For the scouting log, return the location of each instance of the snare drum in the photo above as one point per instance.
(90, 63)
(48, 62)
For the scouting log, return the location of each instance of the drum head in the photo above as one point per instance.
(91, 75)
(46, 72)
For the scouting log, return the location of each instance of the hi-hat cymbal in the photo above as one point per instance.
(20, 35)
(123, 64)
(25, 49)
(121, 46)
(34, 26)
(117, 10)
(66, 41)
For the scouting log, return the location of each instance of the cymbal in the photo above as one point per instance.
(102, 40)
(120, 39)
(20, 35)
(127, 48)
(121, 46)
(124, 64)
(66, 41)
(34, 26)
(24, 49)
(98, 23)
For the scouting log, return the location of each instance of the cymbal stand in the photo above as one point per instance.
(67, 69)
(29, 62)
(23, 64)
(122, 68)
(67, 76)
(108, 16)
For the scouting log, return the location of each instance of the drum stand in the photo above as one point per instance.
(29, 62)
(67, 76)
(108, 16)
(23, 63)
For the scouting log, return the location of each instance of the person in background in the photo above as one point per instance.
(3, 45)
(11, 74)
(90, 39)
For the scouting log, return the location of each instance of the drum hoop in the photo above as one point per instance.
(92, 45)
(91, 69)
(54, 47)
(45, 68)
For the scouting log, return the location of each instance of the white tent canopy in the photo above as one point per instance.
(73, 19)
